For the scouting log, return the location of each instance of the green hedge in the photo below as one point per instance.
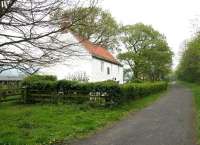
(38, 78)
(108, 92)
(43, 85)
(135, 90)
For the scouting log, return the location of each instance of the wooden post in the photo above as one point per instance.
(25, 94)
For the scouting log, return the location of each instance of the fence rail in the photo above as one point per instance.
(32, 95)
(10, 94)
(95, 94)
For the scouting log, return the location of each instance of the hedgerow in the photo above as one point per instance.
(107, 92)
(36, 78)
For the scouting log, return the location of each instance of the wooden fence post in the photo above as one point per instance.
(25, 94)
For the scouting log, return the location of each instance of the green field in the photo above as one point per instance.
(47, 123)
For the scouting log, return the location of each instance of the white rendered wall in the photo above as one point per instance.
(116, 72)
(69, 68)
(78, 62)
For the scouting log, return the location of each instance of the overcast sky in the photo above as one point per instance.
(173, 18)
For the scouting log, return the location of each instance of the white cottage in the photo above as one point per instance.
(92, 62)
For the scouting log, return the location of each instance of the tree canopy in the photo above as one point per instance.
(98, 26)
(148, 54)
(189, 67)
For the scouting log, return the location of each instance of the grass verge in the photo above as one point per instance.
(195, 88)
(48, 123)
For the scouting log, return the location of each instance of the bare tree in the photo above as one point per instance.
(78, 76)
(29, 37)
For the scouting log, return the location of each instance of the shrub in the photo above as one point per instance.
(110, 91)
(43, 85)
(38, 78)
(67, 86)
(135, 90)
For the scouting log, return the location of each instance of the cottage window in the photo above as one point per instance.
(102, 66)
(108, 70)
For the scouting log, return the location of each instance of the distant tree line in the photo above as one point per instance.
(189, 67)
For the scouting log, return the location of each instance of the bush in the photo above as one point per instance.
(38, 78)
(43, 85)
(67, 86)
(109, 91)
(134, 90)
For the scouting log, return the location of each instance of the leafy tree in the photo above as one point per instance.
(99, 26)
(148, 54)
(189, 67)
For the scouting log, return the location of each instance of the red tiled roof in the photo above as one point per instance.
(97, 51)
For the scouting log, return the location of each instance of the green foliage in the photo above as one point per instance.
(35, 78)
(148, 54)
(92, 23)
(135, 90)
(189, 67)
(111, 92)
(66, 85)
(108, 87)
(43, 85)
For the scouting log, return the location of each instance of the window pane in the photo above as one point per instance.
(108, 70)
(102, 66)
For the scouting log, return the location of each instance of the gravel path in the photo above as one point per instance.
(169, 121)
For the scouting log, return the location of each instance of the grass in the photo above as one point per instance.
(195, 88)
(46, 123)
